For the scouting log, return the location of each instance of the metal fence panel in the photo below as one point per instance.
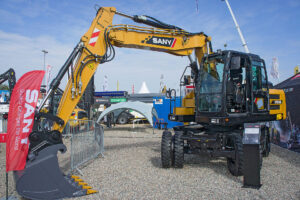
(86, 141)
(3, 125)
(86, 137)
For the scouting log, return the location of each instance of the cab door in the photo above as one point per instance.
(260, 103)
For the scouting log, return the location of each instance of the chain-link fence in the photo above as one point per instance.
(86, 139)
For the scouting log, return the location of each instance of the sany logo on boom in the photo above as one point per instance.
(162, 41)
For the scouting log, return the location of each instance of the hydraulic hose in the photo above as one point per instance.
(151, 21)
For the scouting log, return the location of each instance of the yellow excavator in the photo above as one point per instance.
(42, 177)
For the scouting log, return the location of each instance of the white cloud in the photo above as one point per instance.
(24, 53)
(7, 16)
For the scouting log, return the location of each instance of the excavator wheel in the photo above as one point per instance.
(43, 179)
(178, 150)
(267, 148)
(235, 165)
(167, 150)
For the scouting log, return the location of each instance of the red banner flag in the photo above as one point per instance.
(22, 106)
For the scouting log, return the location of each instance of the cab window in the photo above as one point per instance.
(259, 79)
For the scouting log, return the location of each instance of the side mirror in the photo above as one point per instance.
(235, 63)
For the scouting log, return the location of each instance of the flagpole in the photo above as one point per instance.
(6, 186)
(45, 52)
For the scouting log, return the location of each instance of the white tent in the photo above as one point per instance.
(146, 110)
(144, 89)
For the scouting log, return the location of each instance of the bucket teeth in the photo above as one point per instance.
(91, 191)
(83, 185)
(73, 176)
(86, 187)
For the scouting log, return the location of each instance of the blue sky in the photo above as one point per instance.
(270, 27)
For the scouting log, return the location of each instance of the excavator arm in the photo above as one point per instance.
(95, 47)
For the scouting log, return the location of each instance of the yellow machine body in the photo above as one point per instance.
(277, 103)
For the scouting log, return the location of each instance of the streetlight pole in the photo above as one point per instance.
(237, 27)
(45, 52)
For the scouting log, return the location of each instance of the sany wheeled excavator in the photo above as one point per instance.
(208, 105)
(42, 177)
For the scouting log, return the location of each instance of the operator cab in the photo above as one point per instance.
(232, 89)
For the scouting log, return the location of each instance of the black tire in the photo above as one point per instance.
(178, 150)
(267, 148)
(122, 120)
(166, 149)
(235, 165)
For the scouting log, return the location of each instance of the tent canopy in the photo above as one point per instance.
(144, 89)
(145, 109)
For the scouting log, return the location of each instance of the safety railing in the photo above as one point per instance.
(86, 137)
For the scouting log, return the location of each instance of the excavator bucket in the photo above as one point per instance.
(43, 179)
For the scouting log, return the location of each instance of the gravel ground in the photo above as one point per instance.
(131, 169)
